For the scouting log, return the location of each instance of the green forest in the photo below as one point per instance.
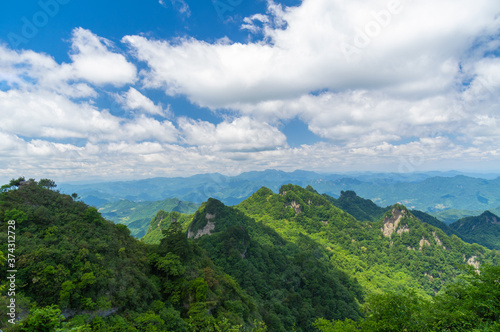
(294, 260)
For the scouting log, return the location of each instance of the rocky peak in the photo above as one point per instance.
(392, 220)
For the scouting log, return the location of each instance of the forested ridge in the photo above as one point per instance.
(294, 260)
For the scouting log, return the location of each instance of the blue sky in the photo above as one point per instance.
(129, 89)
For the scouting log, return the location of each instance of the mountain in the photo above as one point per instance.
(483, 229)
(452, 215)
(76, 271)
(66, 254)
(427, 192)
(137, 215)
(287, 277)
(431, 220)
(292, 282)
(360, 208)
(277, 261)
(395, 252)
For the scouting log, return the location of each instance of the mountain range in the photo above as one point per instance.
(432, 192)
(277, 261)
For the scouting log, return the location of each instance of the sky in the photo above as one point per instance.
(118, 90)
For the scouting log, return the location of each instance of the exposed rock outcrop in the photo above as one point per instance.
(392, 222)
(207, 230)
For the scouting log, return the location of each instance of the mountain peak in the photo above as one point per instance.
(489, 217)
(348, 194)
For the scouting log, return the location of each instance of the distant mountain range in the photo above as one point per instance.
(432, 192)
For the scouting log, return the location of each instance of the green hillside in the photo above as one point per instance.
(483, 229)
(68, 255)
(71, 261)
(392, 254)
(292, 280)
(137, 215)
(431, 220)
(360, 208)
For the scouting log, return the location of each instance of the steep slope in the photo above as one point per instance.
(71, 261)
(397, 252)
(483, 229)
(427, 218)
(161, 221)
(137, 215)
(67, 254)
(292, 282)
(360, 208)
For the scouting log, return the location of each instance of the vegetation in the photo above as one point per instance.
(293, 283)
(360, 208)
(470, 303)
(278, 262)
(412, 255)
(78, 271)
(483, 229)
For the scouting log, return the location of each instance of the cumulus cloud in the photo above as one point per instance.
(242, 134)
(95, 63)
(52, 116)
(364, 75)
(47, 114)
(134, 100)
(405, 57)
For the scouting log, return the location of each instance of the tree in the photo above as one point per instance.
(47, 183)
(14, 183)
(176, 241)
(472, 301)
(43, 319)
(170, 265)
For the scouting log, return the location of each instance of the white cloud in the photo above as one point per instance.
(409, 56)
(407, 81)
(46, 114)
(134, 100)
(242, 134)
(144, 128)
(51, 116)
(93, 62)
